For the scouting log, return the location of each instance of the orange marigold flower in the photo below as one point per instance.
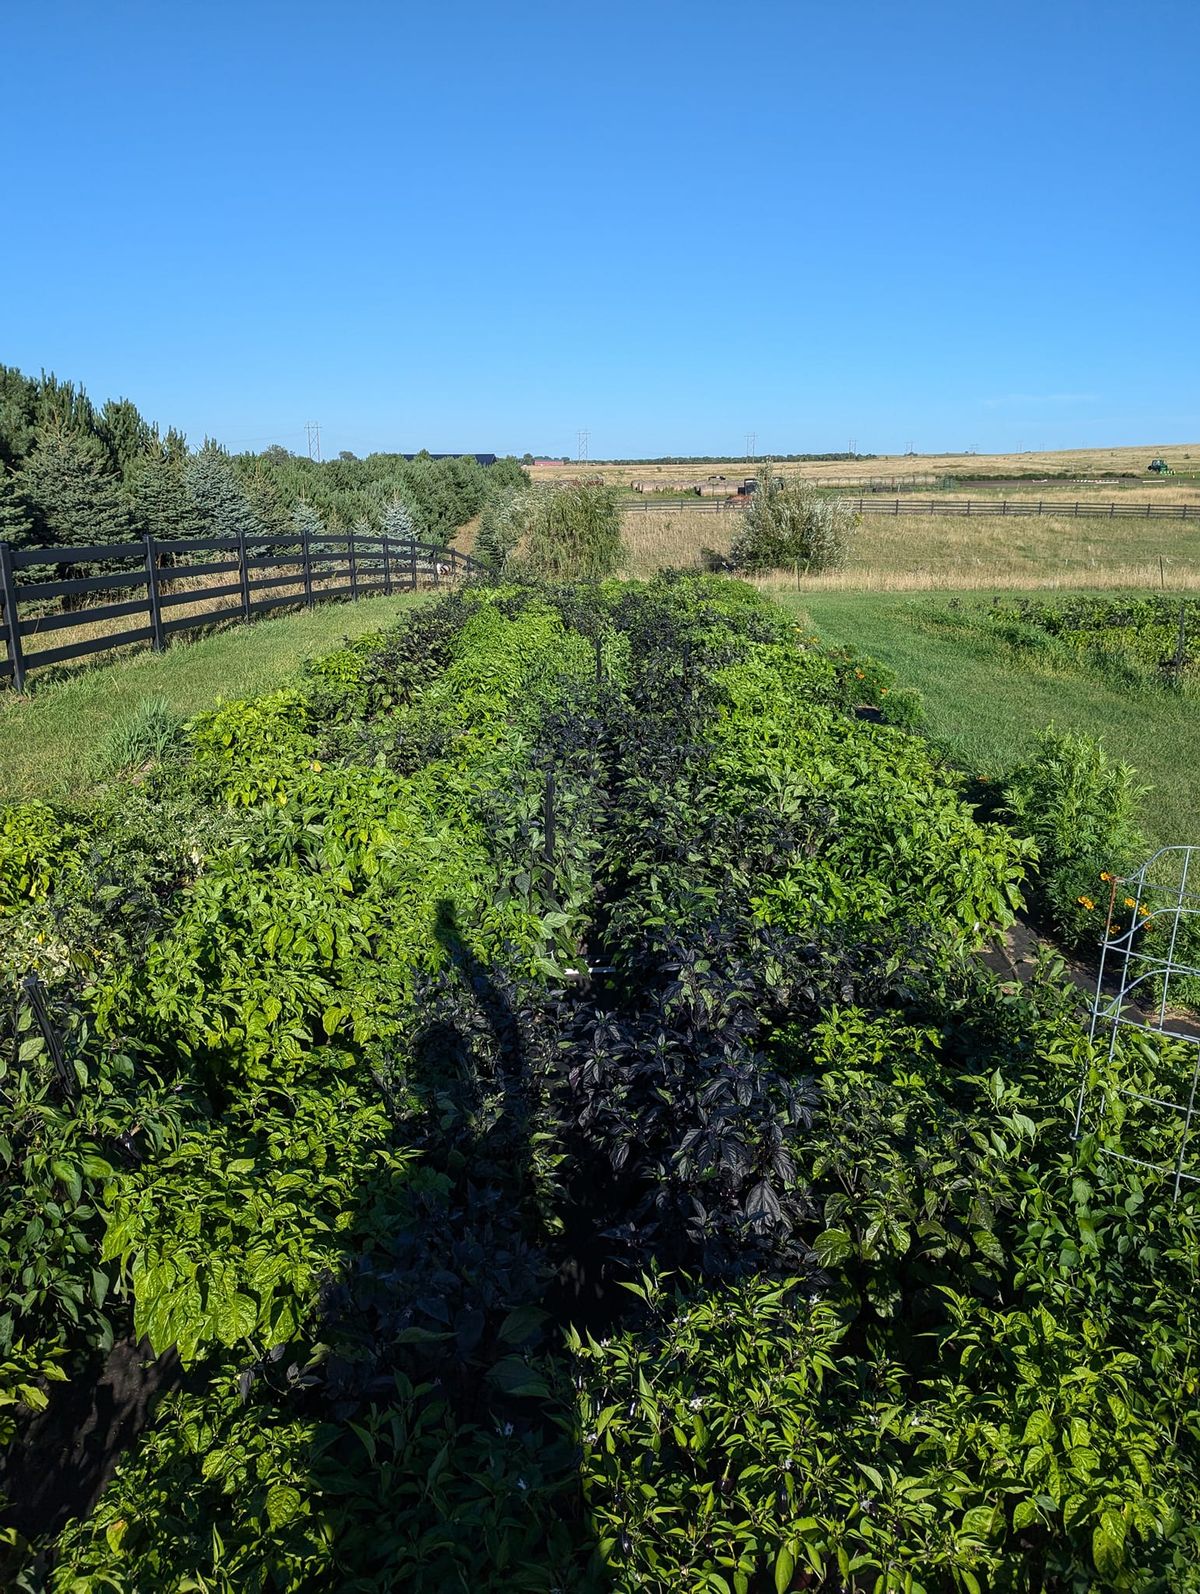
(1104, 875)
(860, 674)
(1130, 903)
(1086, 902)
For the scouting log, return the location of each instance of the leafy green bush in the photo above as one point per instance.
(789, 522)
(572, 532)
(1080, 809)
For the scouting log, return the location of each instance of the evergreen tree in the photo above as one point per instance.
(306, 519)
(16, 527)
(267, 504)
(162, 504)
(398, 520)
(219, 496)
(127, 437)
(76, 500)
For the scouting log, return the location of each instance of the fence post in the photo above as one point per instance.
(306, 565)
(8, 594)
(353, 568)
(437, 569)
(1004, 511)
(412, 563)
(244, 574)
(1112, 508)
(387, 567)
(156, 631)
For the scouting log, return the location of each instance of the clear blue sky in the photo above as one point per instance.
(479, 226)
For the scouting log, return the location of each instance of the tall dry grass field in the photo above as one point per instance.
(1078, 462)
(891, 553)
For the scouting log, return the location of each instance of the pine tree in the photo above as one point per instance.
(267, 504)
(75, 499)
(16, 527)
(126, 436)
(162, 504)
(398, 520)
(306, 519)
(219, 496)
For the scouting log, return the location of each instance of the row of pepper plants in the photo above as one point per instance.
(1136, 643)
(533, 1074)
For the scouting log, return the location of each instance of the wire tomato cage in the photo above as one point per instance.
(1149, 974)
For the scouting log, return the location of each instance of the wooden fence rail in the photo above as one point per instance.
(1011, 508)
(149, 582)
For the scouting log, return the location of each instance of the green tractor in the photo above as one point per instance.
(1160, 467)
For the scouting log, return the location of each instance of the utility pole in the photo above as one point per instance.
(751, 444)
(853, 449)
(312, 430)
(582, 442)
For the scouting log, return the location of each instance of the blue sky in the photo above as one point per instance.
(484, 227)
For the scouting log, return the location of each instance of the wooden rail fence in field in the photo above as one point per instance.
(164, 587)
(1011, 508)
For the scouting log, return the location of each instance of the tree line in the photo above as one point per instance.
(74, 474)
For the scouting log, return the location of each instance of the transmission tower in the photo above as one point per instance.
(751, 444)
(312, 430)
(581, 440)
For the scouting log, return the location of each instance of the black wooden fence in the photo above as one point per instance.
(1010, 508)
(165, 587)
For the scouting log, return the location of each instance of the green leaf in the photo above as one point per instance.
(832, 1247)
(522, 1324)
(1108, 1544)
(67, 1174)
(515, 1377)
(283, 1503)
(785, 1565)
(1025, 1513)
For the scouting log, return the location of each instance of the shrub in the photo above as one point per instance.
(791, 523)
(1080, 809)
(572, 533)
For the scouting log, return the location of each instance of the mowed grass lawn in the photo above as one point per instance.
(985, 707)
(50, 740)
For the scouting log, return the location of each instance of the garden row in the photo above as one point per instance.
(1132, 642)
(534, 1073)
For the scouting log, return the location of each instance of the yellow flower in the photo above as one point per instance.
(317, 765)
(1144, 910)
(1086, 902)
(1130, 903)
(1104, 875)
(859, 673)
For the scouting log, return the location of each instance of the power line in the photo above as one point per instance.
(312, 431)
